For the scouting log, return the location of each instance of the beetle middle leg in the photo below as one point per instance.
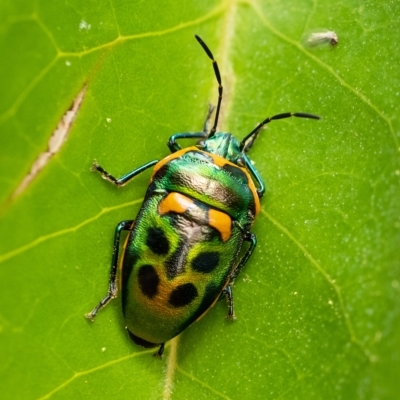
(112, 286)
(122, 226)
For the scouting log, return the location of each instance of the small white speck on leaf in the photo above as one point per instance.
(246, 278)
(83, 25)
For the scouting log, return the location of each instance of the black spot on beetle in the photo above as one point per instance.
(183, 295)
(205, 262)
(209, 297)
(157, 242)
(148, 280)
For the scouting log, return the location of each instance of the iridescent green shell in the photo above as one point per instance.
(184, 244)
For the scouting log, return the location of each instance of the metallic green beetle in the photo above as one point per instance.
(182, 253)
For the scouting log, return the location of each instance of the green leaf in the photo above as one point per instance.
(318, 304)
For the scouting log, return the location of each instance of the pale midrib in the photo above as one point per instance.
(227, 75)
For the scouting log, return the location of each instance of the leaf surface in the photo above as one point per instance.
(317, 305)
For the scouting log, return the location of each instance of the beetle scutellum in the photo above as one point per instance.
(183, 250)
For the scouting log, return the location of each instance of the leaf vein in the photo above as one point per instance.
(72, 229)
(328, 68)
(326, 276)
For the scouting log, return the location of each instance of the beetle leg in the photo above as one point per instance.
(160, 351)
(125, 178)
(112, 286)
(253, 171)
(229, 297)
(249, 237)
(228, 291)
(173, 146)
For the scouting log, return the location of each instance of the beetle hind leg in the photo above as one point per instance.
(160, 351)
(112, 286)
(229, 297)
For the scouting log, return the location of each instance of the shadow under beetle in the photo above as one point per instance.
(182, 253)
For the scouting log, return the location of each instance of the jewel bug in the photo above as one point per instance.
(184, 248)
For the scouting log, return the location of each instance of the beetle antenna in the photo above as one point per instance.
(220, 88)
(257, 129)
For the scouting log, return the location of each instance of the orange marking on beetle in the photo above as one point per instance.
(220, 161)
(175, 202)
(221, 222)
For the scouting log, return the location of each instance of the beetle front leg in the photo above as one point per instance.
(112, 286)
(125, 178)
(174, 146)
(256, 175)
